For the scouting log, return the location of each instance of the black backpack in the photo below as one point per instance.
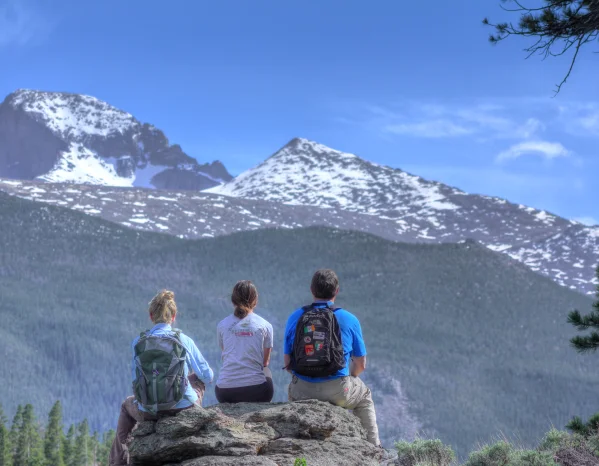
(317, 348)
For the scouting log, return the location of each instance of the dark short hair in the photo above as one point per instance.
(325, 284)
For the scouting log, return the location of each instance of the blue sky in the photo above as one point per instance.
(413, 88)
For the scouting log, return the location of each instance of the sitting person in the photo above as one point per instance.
(162, 361)
(246, 340)
(319, 342)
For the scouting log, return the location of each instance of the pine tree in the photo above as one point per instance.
(586, 429)
(82, 442)
(105, 447)
(590, 321)
(53, 441)
(5, 449)
(556, 28)
(94, 449)
(69, 448)
(15, 428)
(29, 445)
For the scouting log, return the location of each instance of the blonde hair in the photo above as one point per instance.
(163, 308)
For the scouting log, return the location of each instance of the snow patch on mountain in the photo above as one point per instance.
(82, 166)
(74, 116)
(54, 136)
(308, 173)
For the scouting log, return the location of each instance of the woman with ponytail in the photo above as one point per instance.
(160, 341)
(246, 340)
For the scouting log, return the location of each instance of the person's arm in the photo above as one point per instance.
(288, 344)
(133, 365)
(268, 344)
(267, 352)
(197, 362)
(219, 338)
(358, 362)
(357, 366)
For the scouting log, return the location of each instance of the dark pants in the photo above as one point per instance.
(261, 393)
(131, 415)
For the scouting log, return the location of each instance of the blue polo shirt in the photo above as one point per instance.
(351, 338)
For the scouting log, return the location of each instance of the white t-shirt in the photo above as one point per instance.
(243, 342)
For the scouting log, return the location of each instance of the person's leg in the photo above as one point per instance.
(128, 417)
(270, 388)
(221, 395)
(359, 400)
(347, 392)
(198, 386)
(261, 393)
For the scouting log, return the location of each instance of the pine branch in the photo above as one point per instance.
(586, 344)
(584, 322)
(577, 426)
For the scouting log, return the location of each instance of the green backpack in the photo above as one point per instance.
(160, 380)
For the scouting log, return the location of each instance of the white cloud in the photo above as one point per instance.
(20, 24)
(544, 149)
(590, 122)
(430, 129)
(484, 121)
(590, 221)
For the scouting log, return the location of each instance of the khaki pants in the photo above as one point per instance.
(131, 415)
(347, 392)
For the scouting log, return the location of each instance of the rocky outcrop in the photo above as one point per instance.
(266, 434)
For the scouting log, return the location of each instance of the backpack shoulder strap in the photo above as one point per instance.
(307, 308)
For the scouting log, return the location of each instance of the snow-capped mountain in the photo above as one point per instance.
(310, 174)
(72, 138)
(307, 184)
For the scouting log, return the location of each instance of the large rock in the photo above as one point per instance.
(266, 434)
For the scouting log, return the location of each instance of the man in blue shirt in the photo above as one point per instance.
(344, 388)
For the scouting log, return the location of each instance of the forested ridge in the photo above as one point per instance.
(462, 342)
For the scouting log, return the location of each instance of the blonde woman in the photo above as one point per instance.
(163, 359)
(246, 340)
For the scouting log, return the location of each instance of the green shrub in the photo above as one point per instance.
(532, 458)
(497, 454)
(424, 453)
(300, 462)
(554, 440)
(504, 454)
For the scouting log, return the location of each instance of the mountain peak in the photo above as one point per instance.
(72, 116)
(74, 138)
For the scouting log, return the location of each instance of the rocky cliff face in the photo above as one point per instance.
(74, 138)
(255, 434)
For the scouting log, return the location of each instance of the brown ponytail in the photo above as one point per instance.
(163, 308)
(244, 298)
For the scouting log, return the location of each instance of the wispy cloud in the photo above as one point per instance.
(493, 179)
(590, 221)
(484, 122)
(21, 23)
(580, 118)
(430, 129)
(543, 149)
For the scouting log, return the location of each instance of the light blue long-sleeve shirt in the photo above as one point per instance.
(195, 361)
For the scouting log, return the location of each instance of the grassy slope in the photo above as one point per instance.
(479, 343)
